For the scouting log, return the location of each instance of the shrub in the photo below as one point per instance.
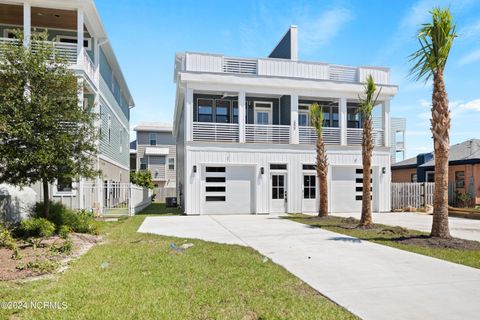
(6, 239)
(37, 229)
(64, 248)
(77, 221)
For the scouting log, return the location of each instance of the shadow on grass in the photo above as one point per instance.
(157, 208)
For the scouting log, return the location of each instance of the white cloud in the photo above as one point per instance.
(458, 107)
(321, 30)
(470, 31)
(469, 58)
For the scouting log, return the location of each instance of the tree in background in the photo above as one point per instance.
(436, 40)
(45, 134)
(142, 178)
(366, 108)
(316, 113)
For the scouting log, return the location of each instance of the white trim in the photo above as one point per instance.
(71, 193)
(263, 109)
(89, 40)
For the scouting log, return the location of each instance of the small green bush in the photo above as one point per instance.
(37, 229)
(6, 239)
(42, 266)
(76, 221)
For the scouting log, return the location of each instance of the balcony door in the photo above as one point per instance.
(263, 113)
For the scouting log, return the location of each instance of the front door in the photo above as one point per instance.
(278, 201)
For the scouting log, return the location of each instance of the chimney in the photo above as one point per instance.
(287, 47)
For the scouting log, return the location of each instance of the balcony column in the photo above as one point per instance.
(386, 122)
(80, 36)
(241, 116)
(27, 23)
(342, 117)
(188, 112)
(294, 136)
(96, 62)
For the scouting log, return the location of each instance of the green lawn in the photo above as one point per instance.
(384, 234)
(158, 208)
(144, 279)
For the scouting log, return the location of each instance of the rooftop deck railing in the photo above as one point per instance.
(200, 62)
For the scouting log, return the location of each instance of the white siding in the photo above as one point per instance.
(204, 62)
(262, 156)
(286, 68)
(380, 76)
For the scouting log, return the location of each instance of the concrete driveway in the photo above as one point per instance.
(459, 228)
(370, 280)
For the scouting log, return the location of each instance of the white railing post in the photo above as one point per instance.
(96, 63)
(188, 112)
(342, 109)
(294, 119)
(27, 23)
(241, 116)
(79, 36)
(386, 122)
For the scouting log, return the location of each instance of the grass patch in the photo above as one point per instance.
(138, 276)
(158, 208)
(410, 240)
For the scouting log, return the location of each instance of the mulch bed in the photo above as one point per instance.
(10, 269)
(432, 242)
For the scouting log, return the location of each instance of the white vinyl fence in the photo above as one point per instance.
(414, 194)
(114, 198)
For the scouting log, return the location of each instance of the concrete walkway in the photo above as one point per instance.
(459, 227)
(370, 280)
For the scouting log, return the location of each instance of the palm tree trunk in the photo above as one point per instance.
(367, 148)
(441, 140)
(322, 171)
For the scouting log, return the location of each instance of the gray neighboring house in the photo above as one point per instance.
(155, 150)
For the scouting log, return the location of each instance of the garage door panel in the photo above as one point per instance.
(343, 190)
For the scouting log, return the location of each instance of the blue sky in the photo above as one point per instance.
(146, 34)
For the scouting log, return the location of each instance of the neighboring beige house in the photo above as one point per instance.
(155, 150)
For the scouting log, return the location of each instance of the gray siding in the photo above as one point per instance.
(163, 138)
(117, 148)
(283, 49)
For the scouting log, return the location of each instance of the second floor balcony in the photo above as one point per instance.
(279, 120)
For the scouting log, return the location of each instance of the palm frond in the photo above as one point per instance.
(435, 39)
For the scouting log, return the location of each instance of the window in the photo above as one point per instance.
(64, 185)
(278, 186)
(335, 117)
(308, 167)
(171, 163)
(263, 113)
(354, 119)
(274, 166)
(87, 43)
(309, 187)
(304, 115)
(153, 139)
(215, 169)
(215, 179)
(235, 111)
(222, 111)
(430, 176)
(413, 177)
(460, 179)
(215, 189)
(143, 163)
(214, 198)
(205, 110)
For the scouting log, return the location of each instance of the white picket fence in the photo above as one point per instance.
(114, 198)
(414, 194)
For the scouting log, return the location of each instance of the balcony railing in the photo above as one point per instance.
(355, 137)
(258, 133)
(214, 63)
(308, 135)
(215, 132)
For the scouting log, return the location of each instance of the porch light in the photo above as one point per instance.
(194, 169)
(384, 170)
(262, 170)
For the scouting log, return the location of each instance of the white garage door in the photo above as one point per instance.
(345, 195)
(227, 190)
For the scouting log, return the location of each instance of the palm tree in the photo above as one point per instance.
(316, 113)
(366, 108)
(436, 39)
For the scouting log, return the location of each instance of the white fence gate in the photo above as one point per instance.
(414, 194)
(114, 198)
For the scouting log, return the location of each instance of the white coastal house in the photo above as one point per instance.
(76, 31)
(244, 139)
